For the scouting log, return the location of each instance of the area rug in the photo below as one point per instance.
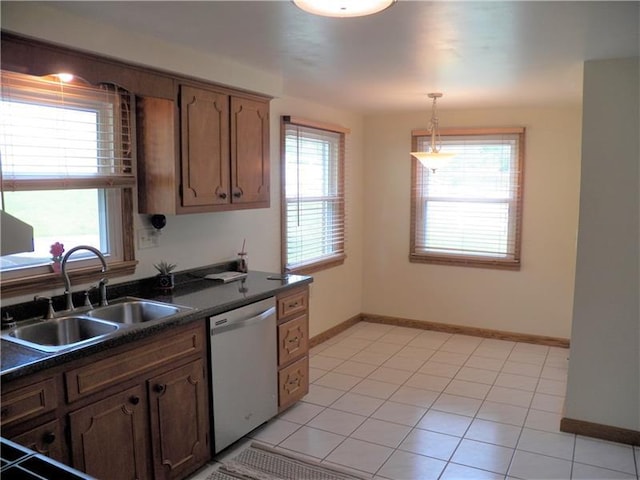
(259, 462)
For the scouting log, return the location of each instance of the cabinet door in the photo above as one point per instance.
(179, 421)
(250, 151)
(45, 439)
(204, 127)
(109, 438)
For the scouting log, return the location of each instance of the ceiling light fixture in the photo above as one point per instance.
(343, 8)
(433, 158)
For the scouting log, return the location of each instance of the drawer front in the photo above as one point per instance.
(29, 402)
(293, 383)
(293, 339)
(91, 378)
(293, 304)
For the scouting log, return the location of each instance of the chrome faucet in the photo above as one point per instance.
(67, 282)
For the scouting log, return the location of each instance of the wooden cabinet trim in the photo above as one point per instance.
(96, 376)
(156, 134)
(29, 401)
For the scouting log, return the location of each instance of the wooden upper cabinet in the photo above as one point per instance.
(209, 154)
(250, 151)
(204, 127)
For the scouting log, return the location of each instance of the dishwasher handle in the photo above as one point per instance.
(220, 325)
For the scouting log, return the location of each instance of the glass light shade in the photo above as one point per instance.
(343, 8)
(433, 160)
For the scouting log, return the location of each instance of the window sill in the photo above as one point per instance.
(309, 268)
(466, 262)
(37, 283)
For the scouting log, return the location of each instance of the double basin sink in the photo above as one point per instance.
(76, 329)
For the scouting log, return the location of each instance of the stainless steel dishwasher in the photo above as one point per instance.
(244, 370)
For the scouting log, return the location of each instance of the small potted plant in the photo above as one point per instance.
(165, 279)
(56, 251)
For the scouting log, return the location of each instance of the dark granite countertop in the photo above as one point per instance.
(204, 297)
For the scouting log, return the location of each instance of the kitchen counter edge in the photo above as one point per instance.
(24, 361)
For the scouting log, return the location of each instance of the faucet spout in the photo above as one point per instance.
(65, 275)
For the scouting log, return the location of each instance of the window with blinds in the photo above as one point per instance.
(313, 205)
(469, 212)
(66, 169)
(56, 134)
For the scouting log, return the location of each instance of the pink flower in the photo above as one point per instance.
(57, 249)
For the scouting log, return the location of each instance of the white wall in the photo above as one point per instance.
(604, 368)
(534, 300)
(200, 239)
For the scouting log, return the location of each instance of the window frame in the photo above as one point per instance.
(339, 255)
(37, 278)
(417, 256)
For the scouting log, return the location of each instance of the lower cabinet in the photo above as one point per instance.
(293, 346)
(138, 412)
(108, 438)
(179, 420)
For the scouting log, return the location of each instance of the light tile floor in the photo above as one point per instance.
(398, 403)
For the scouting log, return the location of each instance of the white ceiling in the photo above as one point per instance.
(477, 53)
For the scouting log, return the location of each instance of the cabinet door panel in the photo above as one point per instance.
(109, 438)
(204, 126)
(45, 439)
(180, 436)
(249, 151)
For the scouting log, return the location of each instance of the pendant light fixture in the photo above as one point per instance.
(343, 8)
(433, 158)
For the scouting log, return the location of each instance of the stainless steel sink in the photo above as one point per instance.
(134, 310)
(60, 333)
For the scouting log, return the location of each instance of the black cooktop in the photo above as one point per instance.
(20, 463)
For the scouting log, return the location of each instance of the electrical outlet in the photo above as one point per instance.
(147, 238)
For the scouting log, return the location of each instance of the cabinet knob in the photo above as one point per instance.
(237, 193)
(49, 438)
(222, 195)
(134, 399)
(158, 387)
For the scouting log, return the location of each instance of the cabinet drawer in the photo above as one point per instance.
(29, 402)
(293, 339)
(293, 304)
(293, 383)
(110, 371)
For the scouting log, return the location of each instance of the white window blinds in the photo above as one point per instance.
(313, 196)
(470, 211)
(61, 135)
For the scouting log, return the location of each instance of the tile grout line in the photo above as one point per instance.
(413, 372)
